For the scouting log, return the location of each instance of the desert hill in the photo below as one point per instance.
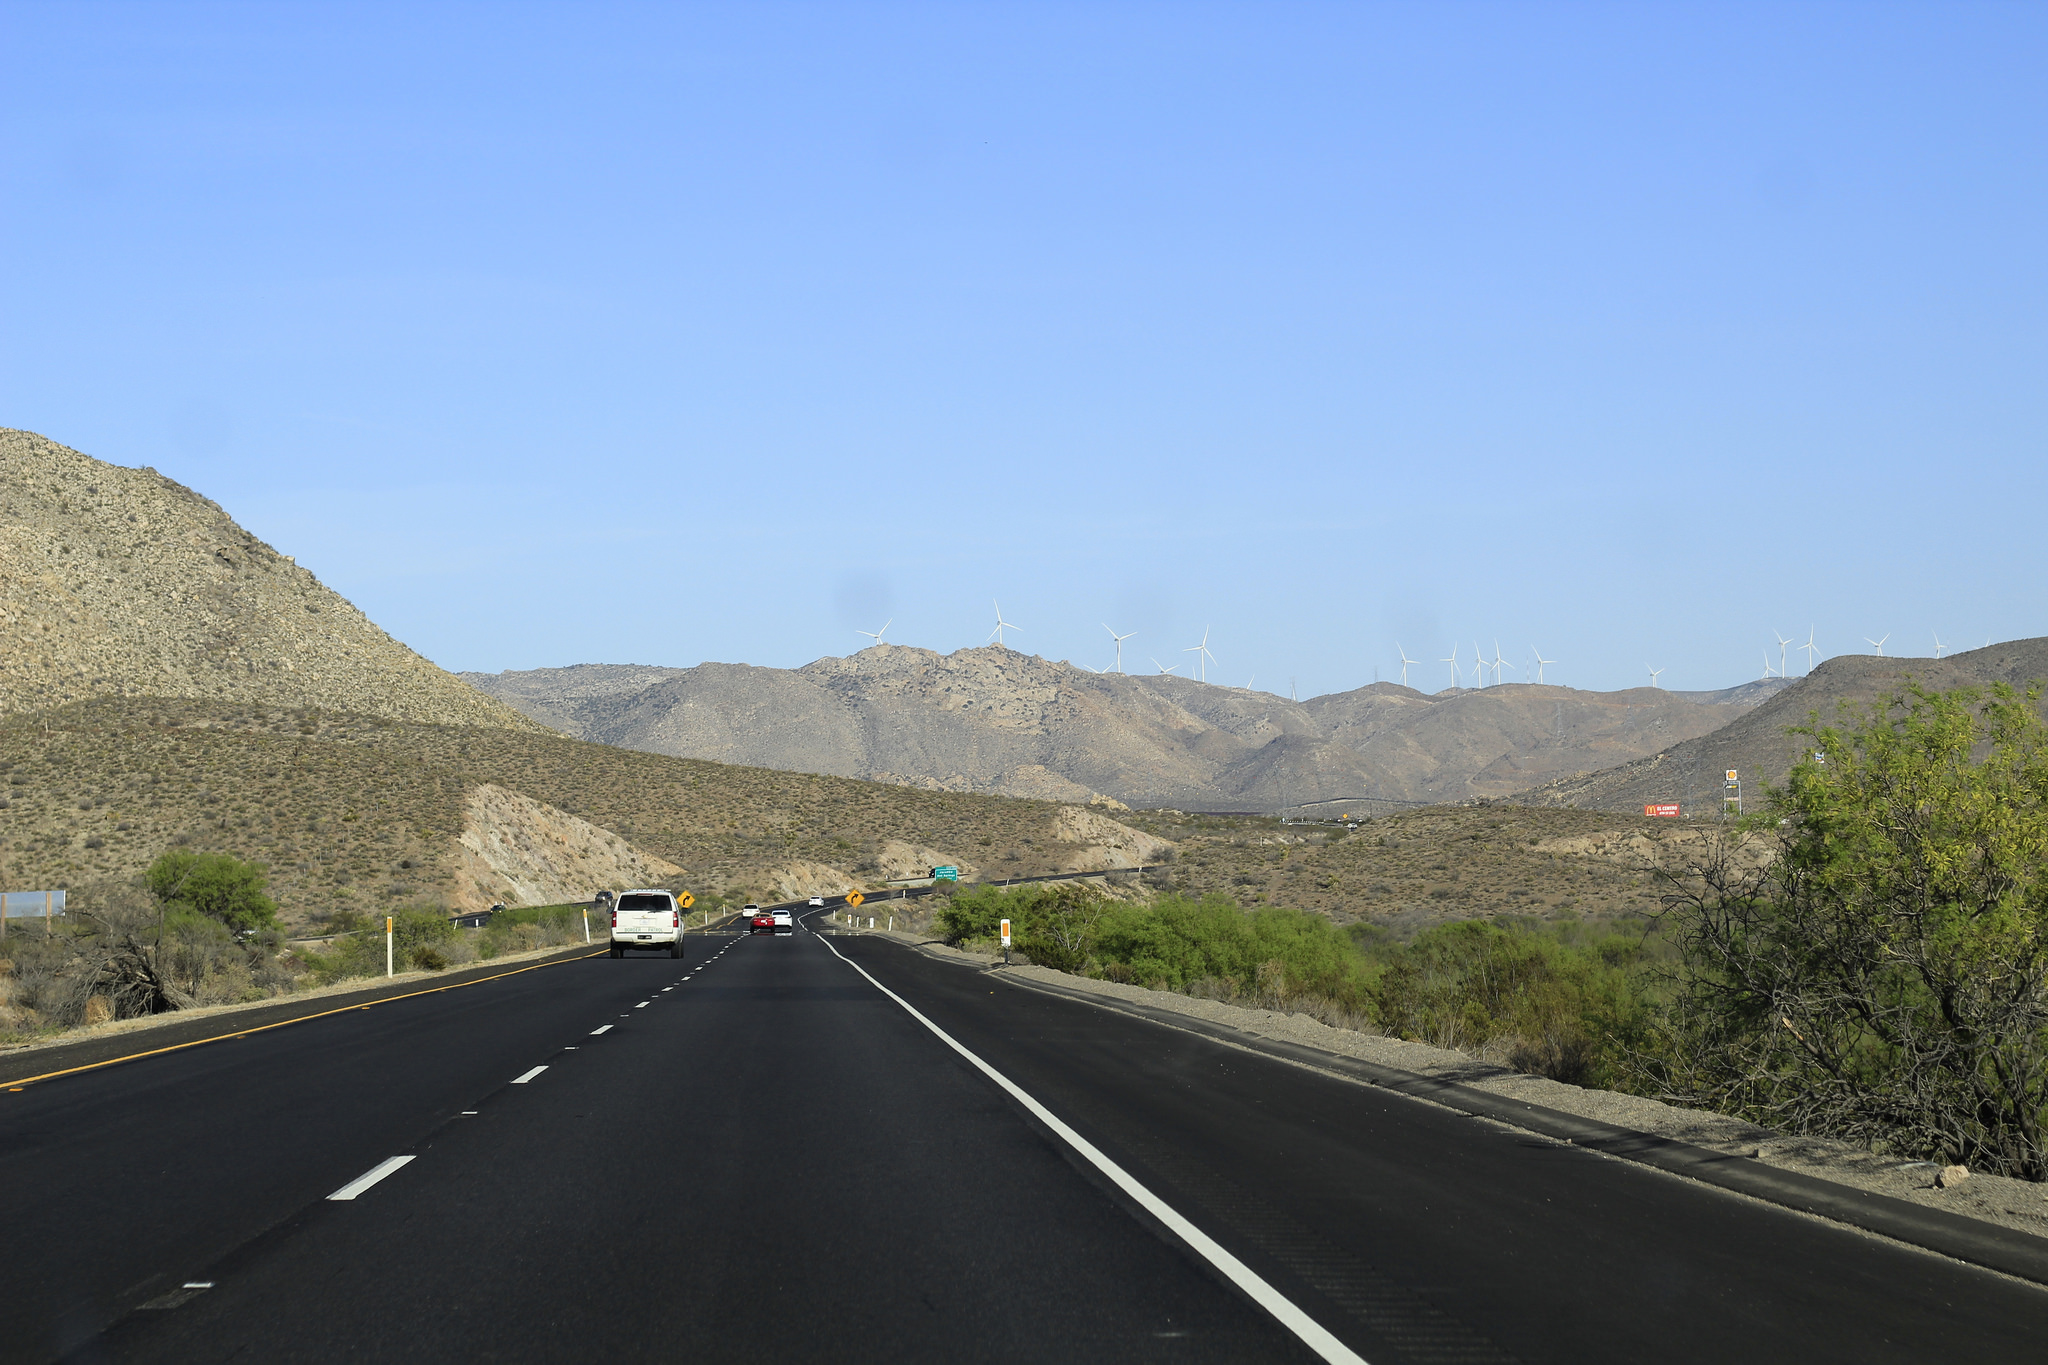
(365, 813)
(1755, 743)
(995, 720)
(120, 582)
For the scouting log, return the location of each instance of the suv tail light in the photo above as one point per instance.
(678, 917)
(615, 919)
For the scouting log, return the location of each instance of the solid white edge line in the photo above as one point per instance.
(369, 1178)
(522, 1080)
(1284, 1310)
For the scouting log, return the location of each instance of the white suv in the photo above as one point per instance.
(647, 919)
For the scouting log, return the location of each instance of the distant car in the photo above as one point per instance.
(817, 903)
(647, 919)
(759, 921)
(781, 921)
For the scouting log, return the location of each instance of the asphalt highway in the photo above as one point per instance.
(763, 1153)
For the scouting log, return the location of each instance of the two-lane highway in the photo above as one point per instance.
(806, 1148)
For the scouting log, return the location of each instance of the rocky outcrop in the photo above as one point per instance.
(522, 852)
(120, 582)
(1101, 842)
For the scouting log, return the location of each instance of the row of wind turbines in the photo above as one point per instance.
(1201, 650)
(1480, 663)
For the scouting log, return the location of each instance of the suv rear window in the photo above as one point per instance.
(643, 903)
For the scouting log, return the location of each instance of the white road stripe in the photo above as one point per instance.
(369, 1178)
(522, 1080)
(1312, 1333)
(606, 1029)
(641, 1006)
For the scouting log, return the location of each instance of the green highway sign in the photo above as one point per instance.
(945, 874)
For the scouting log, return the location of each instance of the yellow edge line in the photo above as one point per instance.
(264, 1028)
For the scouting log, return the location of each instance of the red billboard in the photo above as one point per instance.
(1667, 809)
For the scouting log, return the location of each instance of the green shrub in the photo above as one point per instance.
(217, 885)
(1175, 942)
(1561, 999)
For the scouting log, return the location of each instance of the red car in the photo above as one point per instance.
(759, 921)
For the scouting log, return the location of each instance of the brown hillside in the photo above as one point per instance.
(993, 719)
(1425, 866)
(1756, 744)
(365, 813)
(120, 582)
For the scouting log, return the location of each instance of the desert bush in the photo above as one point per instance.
(423, 938)
(1176, 941)
(219, 886)
(1883, 977)
(535, 926)
(1523, 992)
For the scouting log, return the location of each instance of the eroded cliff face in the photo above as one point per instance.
(118, 582)
(1100, 842)
(523, 852)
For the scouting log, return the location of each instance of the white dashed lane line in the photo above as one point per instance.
(369, 1178)
(641, 1006)
(522, 1080)
(606, 1029)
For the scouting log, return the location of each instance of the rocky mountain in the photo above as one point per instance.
(168, 680)
(121, 582)
(995, 720)
(1755, 744)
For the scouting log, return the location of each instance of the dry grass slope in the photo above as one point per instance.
(120, 582)
(363, 812)
(1425, 866)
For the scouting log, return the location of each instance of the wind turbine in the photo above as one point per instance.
(1162, 667)
(1120, 645)
(1767, 665)
(1001, 626)
(1453, 662)
(1540, 662)
(1202, 654)
(1878, 643)
(1810, 648)
(1938, 645)
(1479, 668)
(1782, 640)
(1406, 662)
(1655, 673)
(876, 635)
(1497, 663)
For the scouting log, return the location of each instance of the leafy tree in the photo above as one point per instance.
(219, 886)
(1884, 975)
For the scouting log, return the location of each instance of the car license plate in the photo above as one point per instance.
(647, 936)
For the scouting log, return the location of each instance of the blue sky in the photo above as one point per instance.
(555, 334)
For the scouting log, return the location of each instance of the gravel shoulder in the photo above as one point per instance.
(2015, 1204)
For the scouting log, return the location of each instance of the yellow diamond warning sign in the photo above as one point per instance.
(854, 898)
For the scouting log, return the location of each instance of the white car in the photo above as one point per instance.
(783, 923)
(647, 919)
(817, 903)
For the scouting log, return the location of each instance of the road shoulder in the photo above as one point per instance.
(1991, 1221)
(127, 1039)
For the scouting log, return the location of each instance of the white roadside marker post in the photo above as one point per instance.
(1006, 943)
(586, 924)
(387, 945)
